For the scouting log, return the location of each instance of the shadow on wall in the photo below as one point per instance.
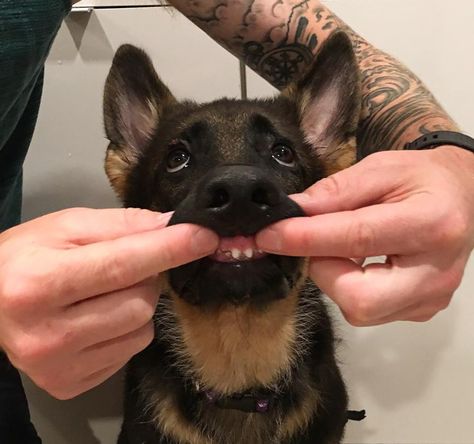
(392, 366)
(81, 189)
(69, 422)
(73, 40)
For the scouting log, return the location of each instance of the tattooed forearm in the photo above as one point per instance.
(279, 38)
(396, 106)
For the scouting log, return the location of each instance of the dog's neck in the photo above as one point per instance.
(237, 348)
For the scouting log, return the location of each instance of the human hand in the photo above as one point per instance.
(78, 290)
(415, 207)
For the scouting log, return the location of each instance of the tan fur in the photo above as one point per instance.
(299, 418)
(341, 157)
(238, 347)
(118, 164)
(168, 418)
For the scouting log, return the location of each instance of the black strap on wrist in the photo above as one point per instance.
(437, 138)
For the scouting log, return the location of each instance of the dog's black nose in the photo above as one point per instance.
(236, 200)
(239, 188)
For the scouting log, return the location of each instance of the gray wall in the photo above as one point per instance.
(415, 380)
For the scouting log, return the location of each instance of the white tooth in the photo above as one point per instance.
(259, 251)
(248, 253)
(236, 253)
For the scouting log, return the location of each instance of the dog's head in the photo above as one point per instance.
(230, 165)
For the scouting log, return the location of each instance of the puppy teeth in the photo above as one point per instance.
(236, 253)
(248, 253)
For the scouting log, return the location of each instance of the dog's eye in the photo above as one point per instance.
(283, 155)
(178, 157)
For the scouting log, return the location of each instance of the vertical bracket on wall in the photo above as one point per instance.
(243, 80)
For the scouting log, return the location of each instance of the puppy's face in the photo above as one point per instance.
(229, 165)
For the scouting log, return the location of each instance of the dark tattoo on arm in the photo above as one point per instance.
(281, 62)
(279, 38)
(396, 106)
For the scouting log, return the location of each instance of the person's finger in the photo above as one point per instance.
(120, 263)
(379, 177)
(119, 349)
(367, 295)
(112, 315)
(97, 377)
(383, 229)
(420, 311)
(82, 226)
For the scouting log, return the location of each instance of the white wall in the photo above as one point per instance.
(415, 380)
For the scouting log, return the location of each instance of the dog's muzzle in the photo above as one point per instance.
(236, 202)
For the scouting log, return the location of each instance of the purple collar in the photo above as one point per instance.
(249, 402)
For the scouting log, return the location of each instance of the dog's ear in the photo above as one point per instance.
(328, 99)
(134, 101)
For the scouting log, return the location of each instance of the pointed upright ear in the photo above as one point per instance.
(328, 99)
(134, 101)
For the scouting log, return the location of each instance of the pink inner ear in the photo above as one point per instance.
(139, 120)
(319, 115)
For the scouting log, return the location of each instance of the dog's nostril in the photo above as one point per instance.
(219, 198)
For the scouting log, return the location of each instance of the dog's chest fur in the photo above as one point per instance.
(169, 364)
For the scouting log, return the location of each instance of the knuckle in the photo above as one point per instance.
(449, 228)
(24, 287)
(444, 302)
(115, 270)
(68, 217)
(360, 309)
(360, 239)
(27, 353)
(331, 185)
(17, 295)
(355, 322)
(145, 338)
(131, 215)
(450, 280)
(140, 311)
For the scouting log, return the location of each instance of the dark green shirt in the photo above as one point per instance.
(27, 30)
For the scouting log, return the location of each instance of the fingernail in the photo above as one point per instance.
(204, 241)
(301, 197)
(269, 240)
(304, 201)
(164, 218)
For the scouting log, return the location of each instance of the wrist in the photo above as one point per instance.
(459, 154)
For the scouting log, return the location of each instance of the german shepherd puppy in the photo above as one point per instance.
(244, 349)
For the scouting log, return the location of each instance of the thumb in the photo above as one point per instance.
(374, 179)
(83, 226)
